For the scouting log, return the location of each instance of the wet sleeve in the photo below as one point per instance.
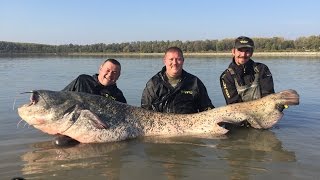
(266, 82)
(71, 86)
(229, 89)
(82, 83)
(204, 102)
(148, 96)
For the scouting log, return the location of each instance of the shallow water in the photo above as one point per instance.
(290, 150)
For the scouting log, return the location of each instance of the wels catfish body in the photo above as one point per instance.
(91, 118)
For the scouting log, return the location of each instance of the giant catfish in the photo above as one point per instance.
(91, 118)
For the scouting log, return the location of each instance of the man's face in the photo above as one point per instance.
(108, 73)
(174, 63)
(242, 55)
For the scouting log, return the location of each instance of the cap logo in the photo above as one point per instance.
(243, 41)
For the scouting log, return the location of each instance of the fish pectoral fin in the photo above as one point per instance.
(219, 130)
(94, 119)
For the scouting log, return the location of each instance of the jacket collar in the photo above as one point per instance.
(242, 69)
(164, 77)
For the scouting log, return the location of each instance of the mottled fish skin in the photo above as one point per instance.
(90, 118)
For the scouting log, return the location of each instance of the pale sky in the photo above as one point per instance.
(115, 21)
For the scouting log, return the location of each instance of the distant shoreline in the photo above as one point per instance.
(211, 54)
(224, 54)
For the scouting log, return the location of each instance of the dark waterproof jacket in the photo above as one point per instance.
(189, 96)
(245, 75)
(90, 84)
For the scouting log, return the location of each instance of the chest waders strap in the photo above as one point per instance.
(250, 91)
(256, 70)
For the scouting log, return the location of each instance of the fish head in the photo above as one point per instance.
(50, 111)
(267, 111)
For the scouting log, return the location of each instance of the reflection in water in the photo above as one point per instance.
(248, 149)
(175, 155)
(246, 152)
(98, 159)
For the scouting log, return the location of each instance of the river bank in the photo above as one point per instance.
(211, 54)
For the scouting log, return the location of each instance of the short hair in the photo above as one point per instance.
(174, 49)
(113, 61)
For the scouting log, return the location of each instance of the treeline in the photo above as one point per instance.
(275, 44)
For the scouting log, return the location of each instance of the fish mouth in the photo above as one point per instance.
(26, 111)
(40, 113)
(34, 98)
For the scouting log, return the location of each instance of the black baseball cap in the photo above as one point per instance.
(242, 42)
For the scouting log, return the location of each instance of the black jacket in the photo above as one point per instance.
(245, 75)
(90, 84)
(189, 96)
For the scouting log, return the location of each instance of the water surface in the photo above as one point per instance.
(290, 150)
